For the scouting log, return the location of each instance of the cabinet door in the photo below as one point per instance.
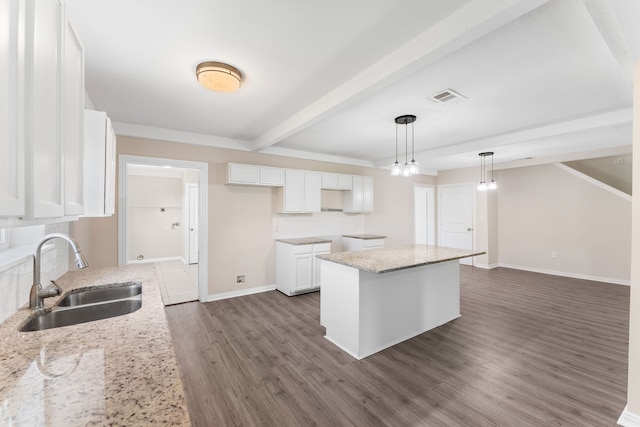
(294, 191)
(242, 174)
(357, 194)
(12, 172)
(312, 192)
(303, 272)
(72, 121)
(345, 182)
(110, 169)
(271, 176)
(43, 63)
(367, 193)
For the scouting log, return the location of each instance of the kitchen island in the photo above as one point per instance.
(116, 371)
(373, 299)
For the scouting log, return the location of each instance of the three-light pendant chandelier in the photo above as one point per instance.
(483, 184)
(409, 168)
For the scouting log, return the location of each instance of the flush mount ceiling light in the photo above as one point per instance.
(482, 185)
(409, 168)
(219, 76)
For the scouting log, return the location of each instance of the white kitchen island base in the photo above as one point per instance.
(365, 312)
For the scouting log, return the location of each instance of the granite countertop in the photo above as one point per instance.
(117, 371)
(385, 260)
(304, 240)
(364, 236)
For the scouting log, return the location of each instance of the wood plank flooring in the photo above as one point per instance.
(529, 350)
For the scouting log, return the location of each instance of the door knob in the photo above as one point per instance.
(468, 229)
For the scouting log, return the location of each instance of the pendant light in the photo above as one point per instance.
(409, 168)
(483, 185)
(395, 167)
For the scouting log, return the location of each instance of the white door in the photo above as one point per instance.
(456, 217)
(424, 227)
(193, 224)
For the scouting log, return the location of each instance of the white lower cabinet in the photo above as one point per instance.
(297, 268)
(359, 244)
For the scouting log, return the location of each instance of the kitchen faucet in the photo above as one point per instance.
(38, 293)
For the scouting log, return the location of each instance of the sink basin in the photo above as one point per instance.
(101, 294)
(80, 314)
(87, 305)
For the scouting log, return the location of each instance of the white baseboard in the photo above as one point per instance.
(629, 419)
(240, 293)
(566, 274)
(487, 266)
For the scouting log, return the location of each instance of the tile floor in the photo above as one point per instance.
(178, 282)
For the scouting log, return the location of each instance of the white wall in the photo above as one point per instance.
(154, 204)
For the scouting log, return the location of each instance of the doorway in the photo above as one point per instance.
(456, 212)
(162, 220)
(424, 215)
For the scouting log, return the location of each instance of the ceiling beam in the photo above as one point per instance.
(590, 122)
(474, 20)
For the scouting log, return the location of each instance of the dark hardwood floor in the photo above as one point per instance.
(529, 350)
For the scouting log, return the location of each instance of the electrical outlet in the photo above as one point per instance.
(240, 279)
(554, 255)
(618, 161)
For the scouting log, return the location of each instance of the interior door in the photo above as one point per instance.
(193, 224)
(423, 204)
(456, 217)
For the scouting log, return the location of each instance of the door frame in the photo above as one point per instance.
(431, 213)
(471, 260)
(189, 188)
(203, 205)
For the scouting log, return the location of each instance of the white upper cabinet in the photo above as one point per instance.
(12, 190)
(336, 181)
(360, 198)
(99, 164)
(43, 89)
(254, 175)
(72, 121)
(301, 193)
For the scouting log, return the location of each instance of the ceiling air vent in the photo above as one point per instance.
(448, 96)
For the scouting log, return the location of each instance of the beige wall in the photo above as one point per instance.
(241, 232)
(485, 216)
(544, 209)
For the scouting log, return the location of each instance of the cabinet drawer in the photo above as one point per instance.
(302, 249)
(373, 243)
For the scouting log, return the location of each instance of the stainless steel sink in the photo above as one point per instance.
(101, 294)
(88, 305)
(80, 314)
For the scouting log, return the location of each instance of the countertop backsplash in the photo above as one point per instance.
(16, 277)
(288, 226)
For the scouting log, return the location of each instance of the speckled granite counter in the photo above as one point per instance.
(117, 371)
(304, 240)
(384, 260)
(364, 312)
(364, 236)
